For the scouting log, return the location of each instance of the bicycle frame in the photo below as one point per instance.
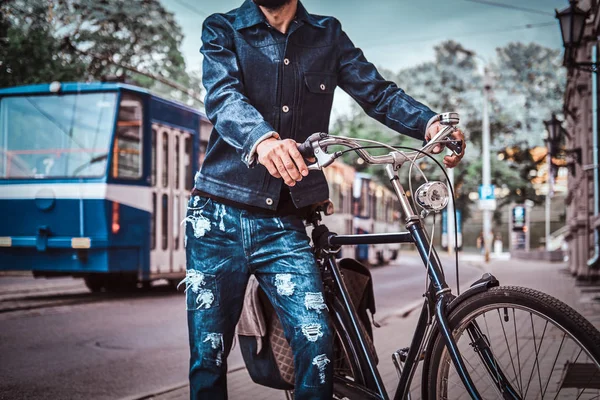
(438, 297)
(439, 300)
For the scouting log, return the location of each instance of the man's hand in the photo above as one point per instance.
(452, 160)
(282, 159)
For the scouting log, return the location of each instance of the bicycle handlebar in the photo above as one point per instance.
(316, 146)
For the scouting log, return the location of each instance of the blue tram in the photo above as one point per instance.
(94, 181)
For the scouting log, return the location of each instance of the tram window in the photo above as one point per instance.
(175, 223)
(363, 205)
(127, 151)
(154, 162)
(153, 224)
(165, 222)
(176, 165)
(187, 163)
(165, 159)
(373, 205)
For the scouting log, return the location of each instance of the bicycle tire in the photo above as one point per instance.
(563, 363)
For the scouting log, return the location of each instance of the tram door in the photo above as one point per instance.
(171, 164)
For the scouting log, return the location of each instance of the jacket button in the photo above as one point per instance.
(269, 201)
(286, 61)
(322, 86)
(285, 109)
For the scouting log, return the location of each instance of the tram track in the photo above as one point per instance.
(35, 299)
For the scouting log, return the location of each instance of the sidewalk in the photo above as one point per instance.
(396, 332)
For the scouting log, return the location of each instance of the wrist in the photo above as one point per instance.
(432, 120)
(265, 142)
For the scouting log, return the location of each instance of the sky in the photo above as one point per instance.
(396, 34)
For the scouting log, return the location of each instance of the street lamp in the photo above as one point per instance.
(487, 201)
(572, 23)
(553, 128)
(555, 131)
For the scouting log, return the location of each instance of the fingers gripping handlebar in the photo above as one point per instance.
(306, 149)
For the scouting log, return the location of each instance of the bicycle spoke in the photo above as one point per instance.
(496, 367)
(554, 364)
(510, 353)
(518, 352)
(537, 353)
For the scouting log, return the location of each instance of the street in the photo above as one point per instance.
(60, 341)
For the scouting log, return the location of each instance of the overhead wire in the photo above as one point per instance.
(465, 34)
(510, 6)
(191, 8)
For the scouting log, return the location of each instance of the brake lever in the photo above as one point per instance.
(323, 159)
(456, 146)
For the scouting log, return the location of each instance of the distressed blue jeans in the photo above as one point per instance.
(224, 245)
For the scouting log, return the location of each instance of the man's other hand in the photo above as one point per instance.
(450, 161)
(282, 159)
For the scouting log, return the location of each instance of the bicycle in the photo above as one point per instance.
(488, 342)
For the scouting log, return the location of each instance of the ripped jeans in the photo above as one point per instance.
(224, 245)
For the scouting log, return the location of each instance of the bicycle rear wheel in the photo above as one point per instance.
(517, 343)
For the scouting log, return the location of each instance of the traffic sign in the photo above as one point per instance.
(486, 192)
(487, 204)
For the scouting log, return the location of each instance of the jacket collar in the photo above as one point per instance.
(249, 14)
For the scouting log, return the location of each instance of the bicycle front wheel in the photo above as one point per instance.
(517, 343)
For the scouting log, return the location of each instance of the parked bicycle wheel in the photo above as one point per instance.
(517, 343)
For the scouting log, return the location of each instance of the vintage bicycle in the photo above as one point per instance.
(489, 342)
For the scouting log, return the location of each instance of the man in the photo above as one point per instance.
(270, 70)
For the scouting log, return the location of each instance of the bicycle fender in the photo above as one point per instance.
(484, 283)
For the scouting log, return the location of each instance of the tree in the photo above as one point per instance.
(449, 83)
(529, 86)
(30, 53)
(91, 39)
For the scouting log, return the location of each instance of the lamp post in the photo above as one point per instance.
(485, 168)
(553, 126)
(572, 24)
(488, 203)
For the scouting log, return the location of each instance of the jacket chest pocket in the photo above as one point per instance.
(321, 83)
(318, 97)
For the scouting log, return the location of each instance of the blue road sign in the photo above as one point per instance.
(486, 192)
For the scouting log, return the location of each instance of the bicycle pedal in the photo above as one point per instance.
(401, 354)
(397, 358)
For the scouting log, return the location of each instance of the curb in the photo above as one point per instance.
(172, 388)
(150, 395)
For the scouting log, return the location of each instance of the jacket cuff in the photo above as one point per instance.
(261, 132)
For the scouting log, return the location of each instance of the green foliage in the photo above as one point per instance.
(75, 40)
(30, 53)
(529, 85)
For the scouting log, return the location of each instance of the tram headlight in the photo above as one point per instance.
(55, 87)
(432, 196)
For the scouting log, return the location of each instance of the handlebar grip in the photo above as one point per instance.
(306, 149)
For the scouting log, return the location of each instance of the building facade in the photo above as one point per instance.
(581, 122)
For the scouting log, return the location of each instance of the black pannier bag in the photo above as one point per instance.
(269, 359)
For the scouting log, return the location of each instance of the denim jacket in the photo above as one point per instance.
(260, 81)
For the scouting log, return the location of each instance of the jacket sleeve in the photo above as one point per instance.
(381, 99)
(227, 107)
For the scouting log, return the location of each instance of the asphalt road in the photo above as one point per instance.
(78, 345)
